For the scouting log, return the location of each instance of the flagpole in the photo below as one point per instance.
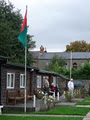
(70, 64)
(25, 77)
(23, 39)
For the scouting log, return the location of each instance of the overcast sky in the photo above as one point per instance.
(56, 23)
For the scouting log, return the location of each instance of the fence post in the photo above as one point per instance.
(58, 96)
(45, 99)
(1, 109)
(54, 95)
(34, 101)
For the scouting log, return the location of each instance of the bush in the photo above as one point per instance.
(68, 96)
(39, 94)
(80, 92)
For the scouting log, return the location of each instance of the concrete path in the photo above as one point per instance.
(65, 104)
(82, 106)
(37, 115)
(87, 117)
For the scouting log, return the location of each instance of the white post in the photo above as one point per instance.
(58, 96)
(70, 64)
(34, 101)
(25, 78)
(1, 109)
(54, 95)
(45, 99)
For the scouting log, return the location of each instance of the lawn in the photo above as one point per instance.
(62, 110)
(66, 110)
(87, 99)
(83, 103)
(36, 118)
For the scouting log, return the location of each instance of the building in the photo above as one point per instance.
(12, 82)
(42, 58)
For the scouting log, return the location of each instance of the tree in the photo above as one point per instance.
(56, 64)
(78, 46)
(10, 25)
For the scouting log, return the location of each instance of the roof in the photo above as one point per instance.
(67, 55)
(3, 60)
(52, 73)
(48, 72)
(20, 66)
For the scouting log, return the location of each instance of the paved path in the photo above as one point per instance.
(87, 117)
(82, 106)
(37, 115)
(65, 104)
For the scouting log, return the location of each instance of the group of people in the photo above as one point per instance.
(50, 89)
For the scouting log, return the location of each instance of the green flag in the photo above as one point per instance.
(23, 33)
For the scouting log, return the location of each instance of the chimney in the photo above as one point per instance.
(41, 49)
(45, 50)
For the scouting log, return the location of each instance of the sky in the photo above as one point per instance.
(56, 23)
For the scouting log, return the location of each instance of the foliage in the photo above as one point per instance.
(78, 46)
(89, 90)
(80, 92)
(83, 72)
(50, 99)
(56, 64)
(10, 25)
(37, 118)
(39, 94)
(68, 96)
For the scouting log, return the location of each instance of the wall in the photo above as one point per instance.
(42, 63)
(17, 71)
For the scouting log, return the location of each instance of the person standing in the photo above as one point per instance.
(46, 86)
(71, 86)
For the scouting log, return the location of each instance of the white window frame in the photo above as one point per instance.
(54, 81)
(22, 81)
(38, 81)
(10, 81)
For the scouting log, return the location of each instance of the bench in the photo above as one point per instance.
(12, 95)
(1, 109)
(28, 97)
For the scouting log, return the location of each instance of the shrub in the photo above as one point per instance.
(68, 96)
(39, 94)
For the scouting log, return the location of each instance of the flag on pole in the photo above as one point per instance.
(23, 33)
(23, 39)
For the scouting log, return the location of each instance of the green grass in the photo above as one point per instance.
(83, 103)
(37, 118)
(62, 110)
(14, 112)
(66, 110)
(87, 99)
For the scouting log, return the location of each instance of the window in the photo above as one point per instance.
(22, 80)
(75, 65)
(54, 81)
(10, 80)
(38, 81)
